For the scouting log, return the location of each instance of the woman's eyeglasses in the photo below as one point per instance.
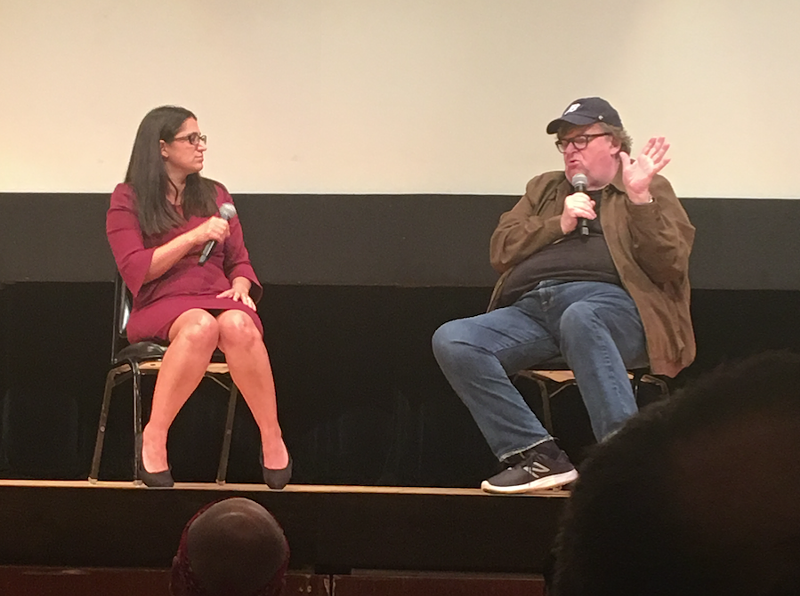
(195, 138)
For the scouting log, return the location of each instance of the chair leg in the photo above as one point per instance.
(545, 395)
(644, 377)
(101, 427)
(548, 414)
(636, 382)
(222, 470)
(137, 421)
(660, 383)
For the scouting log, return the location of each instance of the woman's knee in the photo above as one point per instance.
(237, 328)
(197, 326)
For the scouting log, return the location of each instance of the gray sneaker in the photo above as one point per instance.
(542, 467)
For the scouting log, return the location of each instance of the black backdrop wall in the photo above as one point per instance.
(355, 288)
(360, 396)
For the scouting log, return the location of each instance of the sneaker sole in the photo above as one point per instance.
(554, 481)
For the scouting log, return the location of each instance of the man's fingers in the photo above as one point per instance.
(650, 144)
(624, 160)
(660, 165)
(656, 148)
(588, 214)
(662, 151)
(579, 205)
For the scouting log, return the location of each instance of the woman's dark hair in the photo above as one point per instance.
(148, 176)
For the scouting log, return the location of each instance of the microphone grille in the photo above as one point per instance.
(228, 211)
(579, 180)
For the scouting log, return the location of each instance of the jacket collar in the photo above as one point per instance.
(617, 181)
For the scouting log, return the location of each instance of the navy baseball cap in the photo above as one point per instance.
(585, 111)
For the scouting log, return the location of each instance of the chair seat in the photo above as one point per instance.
(555, 375)
(140, 351)
(214, 368)
(143, 351)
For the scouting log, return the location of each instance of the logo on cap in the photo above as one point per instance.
(571, 108)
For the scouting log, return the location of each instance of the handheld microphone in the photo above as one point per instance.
(226, 211)
(579, 182)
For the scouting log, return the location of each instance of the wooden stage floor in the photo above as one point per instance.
(331, 529)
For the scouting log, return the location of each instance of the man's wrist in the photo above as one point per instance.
(643, 199)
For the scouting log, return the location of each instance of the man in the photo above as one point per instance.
(232, 547)
(604, 298)
(696, 495)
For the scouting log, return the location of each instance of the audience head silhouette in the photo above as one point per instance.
(695, 495)
(232, 547)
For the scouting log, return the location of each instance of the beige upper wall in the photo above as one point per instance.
(403, 96)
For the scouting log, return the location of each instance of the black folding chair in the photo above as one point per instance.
(131, 361)
(555, 376)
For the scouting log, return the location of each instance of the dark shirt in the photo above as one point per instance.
(572, 258)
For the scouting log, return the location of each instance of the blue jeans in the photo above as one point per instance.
(595, 327)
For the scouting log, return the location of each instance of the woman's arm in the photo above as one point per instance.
(240, 291)
(166, 255)
(236, 262)
(137, 263)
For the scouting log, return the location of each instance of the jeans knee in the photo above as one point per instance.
(441, 341)
(576, 320)
(447, 341)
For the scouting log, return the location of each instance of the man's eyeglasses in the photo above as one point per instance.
(580, 142)
(195, 138)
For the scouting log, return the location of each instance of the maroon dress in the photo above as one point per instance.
(186, 285)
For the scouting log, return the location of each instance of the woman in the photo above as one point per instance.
(158, 223)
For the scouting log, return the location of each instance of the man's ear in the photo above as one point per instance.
(615, 143)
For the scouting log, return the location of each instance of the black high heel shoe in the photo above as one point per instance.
(276, 479)
(150, 479)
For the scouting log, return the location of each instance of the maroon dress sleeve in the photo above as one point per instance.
(125, 237)
(237, 260)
